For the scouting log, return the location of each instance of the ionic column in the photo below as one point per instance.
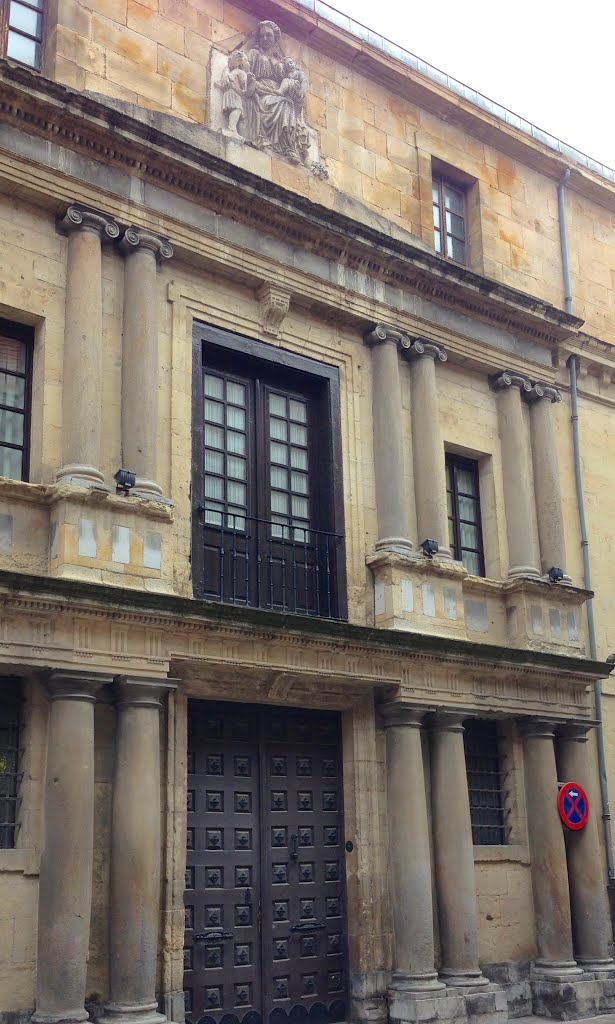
(427, 446)
(140, 365)
(515, 468)
(548, 854)
(409, 856)
(454, 853)
(588, 895)
(135, 853)
(65, 884)
(82, 381)
(546, 476)
(391, 499)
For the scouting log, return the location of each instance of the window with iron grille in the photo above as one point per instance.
(15, 390)
(266, 529)
(449, 219)
(485, 783)
(22, 26)
(10, 707)
(465, 533)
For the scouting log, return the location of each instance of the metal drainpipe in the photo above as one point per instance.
(578, 475)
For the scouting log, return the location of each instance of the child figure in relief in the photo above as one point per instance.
(237, 82)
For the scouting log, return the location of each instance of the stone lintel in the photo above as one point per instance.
(81, 218)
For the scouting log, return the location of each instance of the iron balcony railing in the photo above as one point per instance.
(263, 563)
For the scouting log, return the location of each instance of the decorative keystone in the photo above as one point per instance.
(274, 305)
(381, 333)
(135, 239)
(423, 347)
(547, 391)
(509, 379)
(79, 218)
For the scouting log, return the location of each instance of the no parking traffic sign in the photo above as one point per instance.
(573, 806)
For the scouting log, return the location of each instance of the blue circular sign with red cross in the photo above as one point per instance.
(573, 806)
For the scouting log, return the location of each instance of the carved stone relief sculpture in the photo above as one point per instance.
(258, 97)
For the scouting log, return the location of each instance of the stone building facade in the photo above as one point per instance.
(283, 714)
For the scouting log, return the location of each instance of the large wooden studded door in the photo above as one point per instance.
(265, 892)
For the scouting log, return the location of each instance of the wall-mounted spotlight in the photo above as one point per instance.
(555, 574)
(125, 481)
(430, 548)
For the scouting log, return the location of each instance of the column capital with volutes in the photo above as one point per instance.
(142, 692)
(420, 347)
(448, 720)
(509, 379)
(540, 391)
(136, 239)
(81, 218)
(576, 732)
(382, 333)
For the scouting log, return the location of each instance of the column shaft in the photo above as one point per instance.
(140, 364)
(427, 448)
(548, 855)
(391, 500)
(546, 480)
(515, 469)
(135, 854)
(83, 353)
(454, 854)
(409, 855)
(65, 886)
(588, 895)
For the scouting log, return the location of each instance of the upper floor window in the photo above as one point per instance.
(449, 219)
(465, 533)
(485, 773)
(10, 705)
(15, 389)
(22, 30)
(266, 525)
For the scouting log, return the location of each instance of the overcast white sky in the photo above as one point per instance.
(550, 62)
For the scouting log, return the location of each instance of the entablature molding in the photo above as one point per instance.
(50, 495)
(161, 149)
(60, 624)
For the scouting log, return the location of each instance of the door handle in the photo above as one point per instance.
(307, 926)
(214, 936)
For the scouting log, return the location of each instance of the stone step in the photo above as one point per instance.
(605, 1018)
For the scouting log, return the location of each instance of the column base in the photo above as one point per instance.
(396, 545)
(80, 476)
(146, 488)
(463, 979)
(118, 1013)
(419, 981)
(556, 970)
(523, 571)
(587, 995)
(449, 1006)
(66, 1017)
(602, 966)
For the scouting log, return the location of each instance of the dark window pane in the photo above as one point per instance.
(463, 505)
(471, 560)
(437, 241)
(12, 355)
(10, 703)
(12, 390)
(11, 427)
(11, 463)
(25, 19)
(485, 783)
(454, 200)
(468, 509)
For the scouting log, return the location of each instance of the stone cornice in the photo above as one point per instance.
(49, 495)
(357, 652)
(190, 160)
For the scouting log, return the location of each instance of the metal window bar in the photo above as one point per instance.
(260, 563)
(10, 757)
(486, 782)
